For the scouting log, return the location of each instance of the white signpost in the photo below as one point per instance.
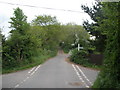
(79, 47)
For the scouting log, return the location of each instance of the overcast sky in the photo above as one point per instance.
(6, 10)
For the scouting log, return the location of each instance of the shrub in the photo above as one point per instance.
(79, 57)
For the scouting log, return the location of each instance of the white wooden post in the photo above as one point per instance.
(78, 47)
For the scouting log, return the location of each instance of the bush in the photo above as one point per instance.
(79, 57)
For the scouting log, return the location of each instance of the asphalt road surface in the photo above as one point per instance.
(54, 73)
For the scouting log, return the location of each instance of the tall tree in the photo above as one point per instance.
(49, 31)
(19, 21)
(1, 48)
(19, 26)
(97, 16)
(109, 76)
(18, 47)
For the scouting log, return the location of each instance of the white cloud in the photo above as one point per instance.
(30, 12)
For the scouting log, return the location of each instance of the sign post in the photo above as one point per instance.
(79, 47)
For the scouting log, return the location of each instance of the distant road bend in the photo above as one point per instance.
(54, 73)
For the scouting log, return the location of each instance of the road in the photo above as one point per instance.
(54, 73)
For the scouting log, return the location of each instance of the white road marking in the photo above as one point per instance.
(31, 69)
(79, 76)
(32, 73)
(28, 77)
(21, 82)
(35, 70)
(84, 75)
(24, 80)
(17, 85)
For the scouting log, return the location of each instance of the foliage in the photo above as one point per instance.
(79, 57)
(19, 47)
(15, 49)
(73, 34)
(19, 22)
(97, 15)
(36, 60)
(109, 77)
(49, 30)
(44, 20)
(0, 51)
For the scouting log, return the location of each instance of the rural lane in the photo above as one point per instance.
(54, 73)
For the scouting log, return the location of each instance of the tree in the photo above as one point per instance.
(49, 31)
(1, 39)
(109, 76)
(44, 20)
(18, 47)
(19, 25)
(19, 21)
(97, 16)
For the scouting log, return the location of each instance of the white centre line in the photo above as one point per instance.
(31, 69)
(35, 70)
(17, 85)
(79, 76)
(28, 77)
(84, 75)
